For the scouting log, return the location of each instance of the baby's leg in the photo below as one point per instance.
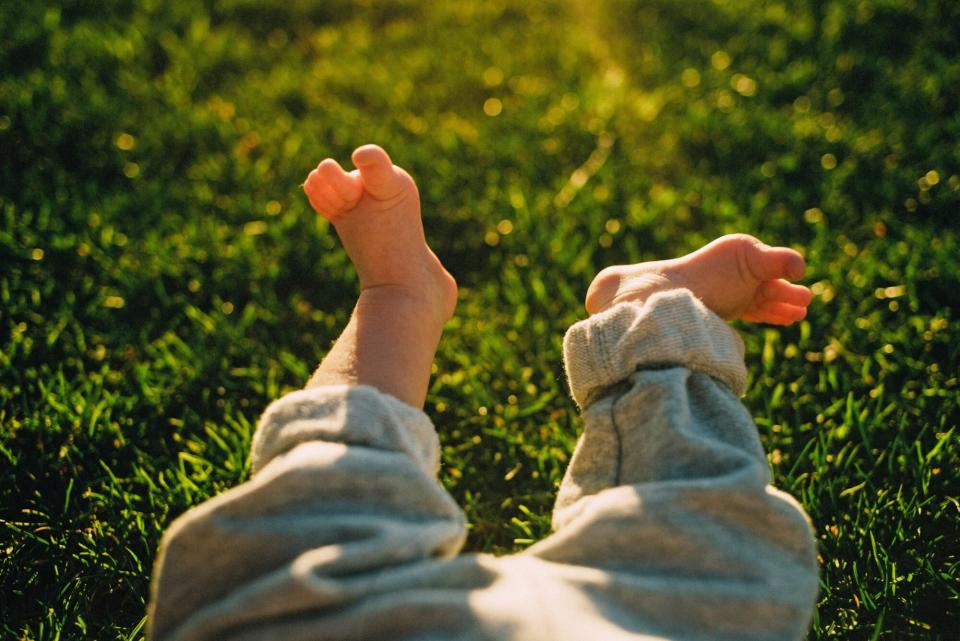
(343, 488)
(667, 496)
(406, 295)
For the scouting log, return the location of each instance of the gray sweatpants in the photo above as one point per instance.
(665, 526)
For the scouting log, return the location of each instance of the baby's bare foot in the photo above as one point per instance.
(376, 212)
(736, 276)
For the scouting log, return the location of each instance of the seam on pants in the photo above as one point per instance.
(619, 437)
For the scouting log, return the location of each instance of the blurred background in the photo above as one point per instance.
(162, 277)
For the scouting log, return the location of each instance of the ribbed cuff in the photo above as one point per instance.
(669, 329)
(353, 415)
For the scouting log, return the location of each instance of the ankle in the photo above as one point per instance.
(432, 306)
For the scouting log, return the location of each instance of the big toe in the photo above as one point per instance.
(770, 263)
(346, 186)
(380, 177)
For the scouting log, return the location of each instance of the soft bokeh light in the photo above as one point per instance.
(164, 278)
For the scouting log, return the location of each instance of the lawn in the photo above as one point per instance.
(162, 277)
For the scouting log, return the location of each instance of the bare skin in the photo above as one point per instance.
(376, 212)
(736, 276)
(407, 296)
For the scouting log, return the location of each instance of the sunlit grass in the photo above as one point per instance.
(163, 279)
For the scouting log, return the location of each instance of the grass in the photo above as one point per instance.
(162, 278)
